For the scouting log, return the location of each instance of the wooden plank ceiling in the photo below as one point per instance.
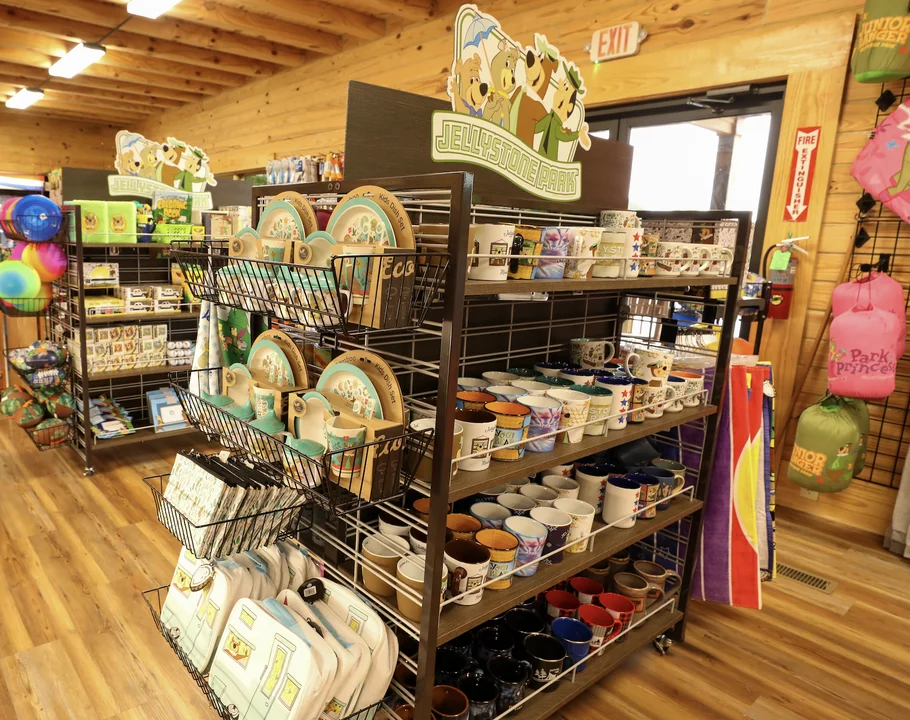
(199, 48)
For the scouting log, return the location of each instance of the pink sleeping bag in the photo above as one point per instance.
(884, 292)
(882, 167)
(862, 361)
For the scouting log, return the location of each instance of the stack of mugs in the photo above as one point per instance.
(655, 388)
(621, 244)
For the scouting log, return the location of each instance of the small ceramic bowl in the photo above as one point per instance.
(472, 384)
(500, 378)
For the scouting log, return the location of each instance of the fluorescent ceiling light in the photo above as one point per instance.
(76, 60)
(24, 98)
(150, 8)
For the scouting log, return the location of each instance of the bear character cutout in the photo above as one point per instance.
(170, 156)
(468, 92)
(128, 163)
(502, 68)
(527, 108)
(148, 162)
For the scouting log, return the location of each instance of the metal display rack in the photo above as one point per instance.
(461, 328)
(138, 263)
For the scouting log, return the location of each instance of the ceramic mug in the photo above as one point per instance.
(592, 480)
(522, 622)
(649, 493)
(670, 483)
(564, 487)
(564, 470)
(637, 589)
(512, 423)
(575, 408)
(561, 603)
(506, 393)
(621, 496)
(473, 400)
(384, 552)
(670, 258)
(463, 527)
(514, 486)
(557, 523)
(554, 248)
(639, 389)
(620, 607)
(412, 573)
(517, 504)
(449, 703)
(555, 382)
(576, 638)
(499, 378)
(300, 467)
(586, 589)
(619, 219)
(525, 245)
(658, 576)
(491, 494)
(633, 252)
(698, 263)
(451, 665)
(495, 240)
(478, 430)
(552, 368)
(583, 244)
(503, 547)
(695, 384)
(532, 537)
(610, 253)
(392, 525)
(469, 564)
(648, 263)
(546, 656)
(678, 469)
(490, 515)
(510, 677)
(604, 627)
(273, 249)
(580, 376)
(601, 405)
(524, 373)
(532, 387)
(469, 384)
(591, 352)
(543, 496)
(482, 694)
(620, 402)
(582, 515)
(655, 398)
(346, 439)
(651, 364)
(678, 386)
(425, 468)
(720, 259)
(493, 641)
(545, 415)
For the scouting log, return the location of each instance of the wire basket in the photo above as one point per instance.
(342, 481)
(25, 307)
(233, 535)
(51, 438)
(154, 600)
(355, 293)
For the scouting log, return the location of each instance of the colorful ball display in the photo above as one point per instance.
(12, 399)
(61, 405)
(50, 432)
(36, 218)
(18, 249)
(18, 280)
(44, 354)
(29, 414)
(38, 303)
(48, 260)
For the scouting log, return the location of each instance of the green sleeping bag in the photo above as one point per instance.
(824, 453)
(881, 52)
(860, 412)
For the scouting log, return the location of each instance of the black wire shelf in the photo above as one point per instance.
(356, 293)
(342, 481)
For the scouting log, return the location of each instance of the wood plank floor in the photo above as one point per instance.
(76, 640)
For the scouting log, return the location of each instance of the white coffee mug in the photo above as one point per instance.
(670, 257)
(678, 386)
(575, 408)
(583, 243)
(493, 240)
(478, 429)
(610, 252)
(591, 352)
(582, 515)
(619, 219)
(651, 364)
(720, 259)
(632, 252)
(620, 502)
(564, 487)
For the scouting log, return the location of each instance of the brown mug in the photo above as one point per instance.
(600, 573)
(449, 703)
(463, 527)
(405, 711)
(658, 576)
(637, 589)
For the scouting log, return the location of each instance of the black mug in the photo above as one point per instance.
(451, 666)
(492, 642)
(463, 644)
(546, 655)
(482, 694)
(510, 677)
(523, 622)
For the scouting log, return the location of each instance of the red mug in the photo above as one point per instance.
(620, 607)
(586, 589)
(561, 603)
(602, 624)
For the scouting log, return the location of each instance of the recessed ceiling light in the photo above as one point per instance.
(150, 8)
(24, 98)
(76, 60)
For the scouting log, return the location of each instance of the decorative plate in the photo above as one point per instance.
(394, 210)
(322, 244)
(311, 410)
(378, 370)
(245, 244)
(361, 221)
(269, 362)
(349, 382)
(280, 220)
(303, 208)
(292, 352)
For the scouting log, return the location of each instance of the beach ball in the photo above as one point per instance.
(29, 414)
(12, 399)
(36, 218)
(17, 250)
(48, 260)
(36, 304)
(61, 405)
(18, 280)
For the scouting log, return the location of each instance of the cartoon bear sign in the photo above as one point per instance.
(515, 110)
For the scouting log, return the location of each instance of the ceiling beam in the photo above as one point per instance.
(188, 33)
(320, 15)
(252, 25)
(67, 27)
(64, 98)
(87, 109)
(88, 92)
(36, 113)
(189, 83)
(411, 10)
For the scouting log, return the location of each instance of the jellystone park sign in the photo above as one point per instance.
(515, 110)
(149, 169)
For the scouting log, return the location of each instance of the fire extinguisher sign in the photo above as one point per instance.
(802, 171)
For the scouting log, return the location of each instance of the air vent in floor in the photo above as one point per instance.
(801, 576)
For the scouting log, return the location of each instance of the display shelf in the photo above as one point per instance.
(141, 435)
(141, 317)
(101, 246)
(458, 619)
(483, 287)
(546, 704)
(135, 372)
(465, 484)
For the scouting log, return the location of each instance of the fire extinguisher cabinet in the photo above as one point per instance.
(782, 276)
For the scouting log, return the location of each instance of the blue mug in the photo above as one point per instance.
(482, 694)
(511, 677)
(575, 637)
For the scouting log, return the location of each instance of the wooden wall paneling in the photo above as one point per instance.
(105, 109)
(413, 10)
(34, 145)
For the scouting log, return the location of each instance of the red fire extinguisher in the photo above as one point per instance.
(781, 273)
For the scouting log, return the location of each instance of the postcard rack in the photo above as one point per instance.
(356, 293)
(464, 329)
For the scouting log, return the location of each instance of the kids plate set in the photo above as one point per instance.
(275, 639)
(294, 274)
